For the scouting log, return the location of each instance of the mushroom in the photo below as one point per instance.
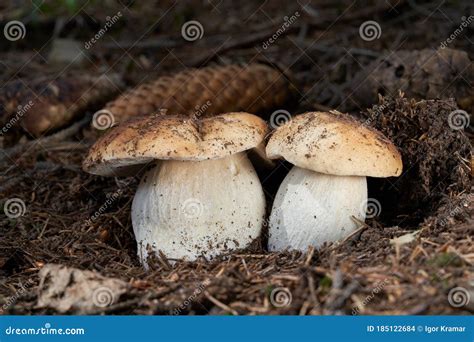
(201, 195)
(332, 155)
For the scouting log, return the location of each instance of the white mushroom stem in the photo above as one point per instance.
(311, 208)
(192, 208)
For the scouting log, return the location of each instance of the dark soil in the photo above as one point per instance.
(435, 157)
(365, 274)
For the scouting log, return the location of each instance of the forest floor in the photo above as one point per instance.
(414, 257)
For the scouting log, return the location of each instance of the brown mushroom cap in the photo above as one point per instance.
(334, 143)
(143, 139)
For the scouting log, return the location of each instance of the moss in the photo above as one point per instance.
(445, 259)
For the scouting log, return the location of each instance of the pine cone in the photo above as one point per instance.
(421, 74)
(44, 104)
(208, 91)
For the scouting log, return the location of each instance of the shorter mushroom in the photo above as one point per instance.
(332, 155)
(202, 197)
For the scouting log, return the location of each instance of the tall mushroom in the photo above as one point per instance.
(202, 195)
(332, 154)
